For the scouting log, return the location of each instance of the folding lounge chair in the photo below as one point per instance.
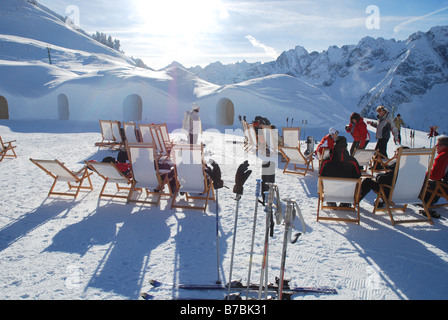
(59, 172)
(130, 133)
(107, 134)
(116, 131)
(165, 135)
(163, 152)
(409, 184)
(6, 149)
(146, 173)
(190, 176)
(110, 173)
(365, 158)
(342, 190)
(440, 189)
(302, 164)
(253, 139)
(145, 133)
(291, 137)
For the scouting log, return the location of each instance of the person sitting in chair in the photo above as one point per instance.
(340, 164)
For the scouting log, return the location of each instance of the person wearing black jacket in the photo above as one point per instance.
(340, 164)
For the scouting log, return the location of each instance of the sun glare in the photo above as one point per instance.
(180, 17)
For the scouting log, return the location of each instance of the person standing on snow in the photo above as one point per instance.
(399, 123)
(384, 126)
(192, 124)
(358, 130)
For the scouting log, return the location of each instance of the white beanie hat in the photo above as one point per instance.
(333, 131)
(195, 106)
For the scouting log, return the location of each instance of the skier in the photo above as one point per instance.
(192, 124)
(327, 141)
(398, 121)
(358, 129)
(384, 126)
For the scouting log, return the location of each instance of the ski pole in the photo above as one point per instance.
(217, 237)
(238, 197)
(269, 195)
(257, 195)
(289, 218)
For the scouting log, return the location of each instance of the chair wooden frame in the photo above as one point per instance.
(6, 149)
(302, 164)
(146, 174)
(342, 190)
(108, 138)
(291, 137)
(165, 135)
(186, 171)
(366, 158)
(109, 172)
(59, 172)
(403, 191)
(163, 151)
(439, 190)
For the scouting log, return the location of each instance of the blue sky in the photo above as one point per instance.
(199, 32)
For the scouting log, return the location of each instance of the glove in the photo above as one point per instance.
(242, 174)
(215, 175)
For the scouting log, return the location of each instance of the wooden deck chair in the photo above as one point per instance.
(291, 137)
(108, 138)
(6, 149)
(409, 184)
(302, 164)
(145, 133)
(339, 190)
(109, 172)
(246, 134)
(146, 173)
(253, 139)
(59, 172)
(130, 131)
(191, 177)
(440, 189)
(366, 158)
(379, 163)
(163, 152)
(165, 135)
(116, 131)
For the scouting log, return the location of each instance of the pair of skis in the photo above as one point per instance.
(238, 286)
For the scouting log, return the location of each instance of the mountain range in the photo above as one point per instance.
(401, 75)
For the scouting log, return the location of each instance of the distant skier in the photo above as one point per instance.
(398, 121)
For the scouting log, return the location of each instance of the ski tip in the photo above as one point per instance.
(146, 296)
(155, 283)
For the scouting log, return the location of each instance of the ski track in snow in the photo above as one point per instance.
(58, 248)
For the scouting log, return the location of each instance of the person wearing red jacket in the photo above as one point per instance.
(358, 129)
(327, 141)
(439, 171)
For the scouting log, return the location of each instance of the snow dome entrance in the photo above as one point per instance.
(63, 110)
(4, 111)
(225, 112)
(133, 108)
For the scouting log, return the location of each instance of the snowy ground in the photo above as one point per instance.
(58, 248)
